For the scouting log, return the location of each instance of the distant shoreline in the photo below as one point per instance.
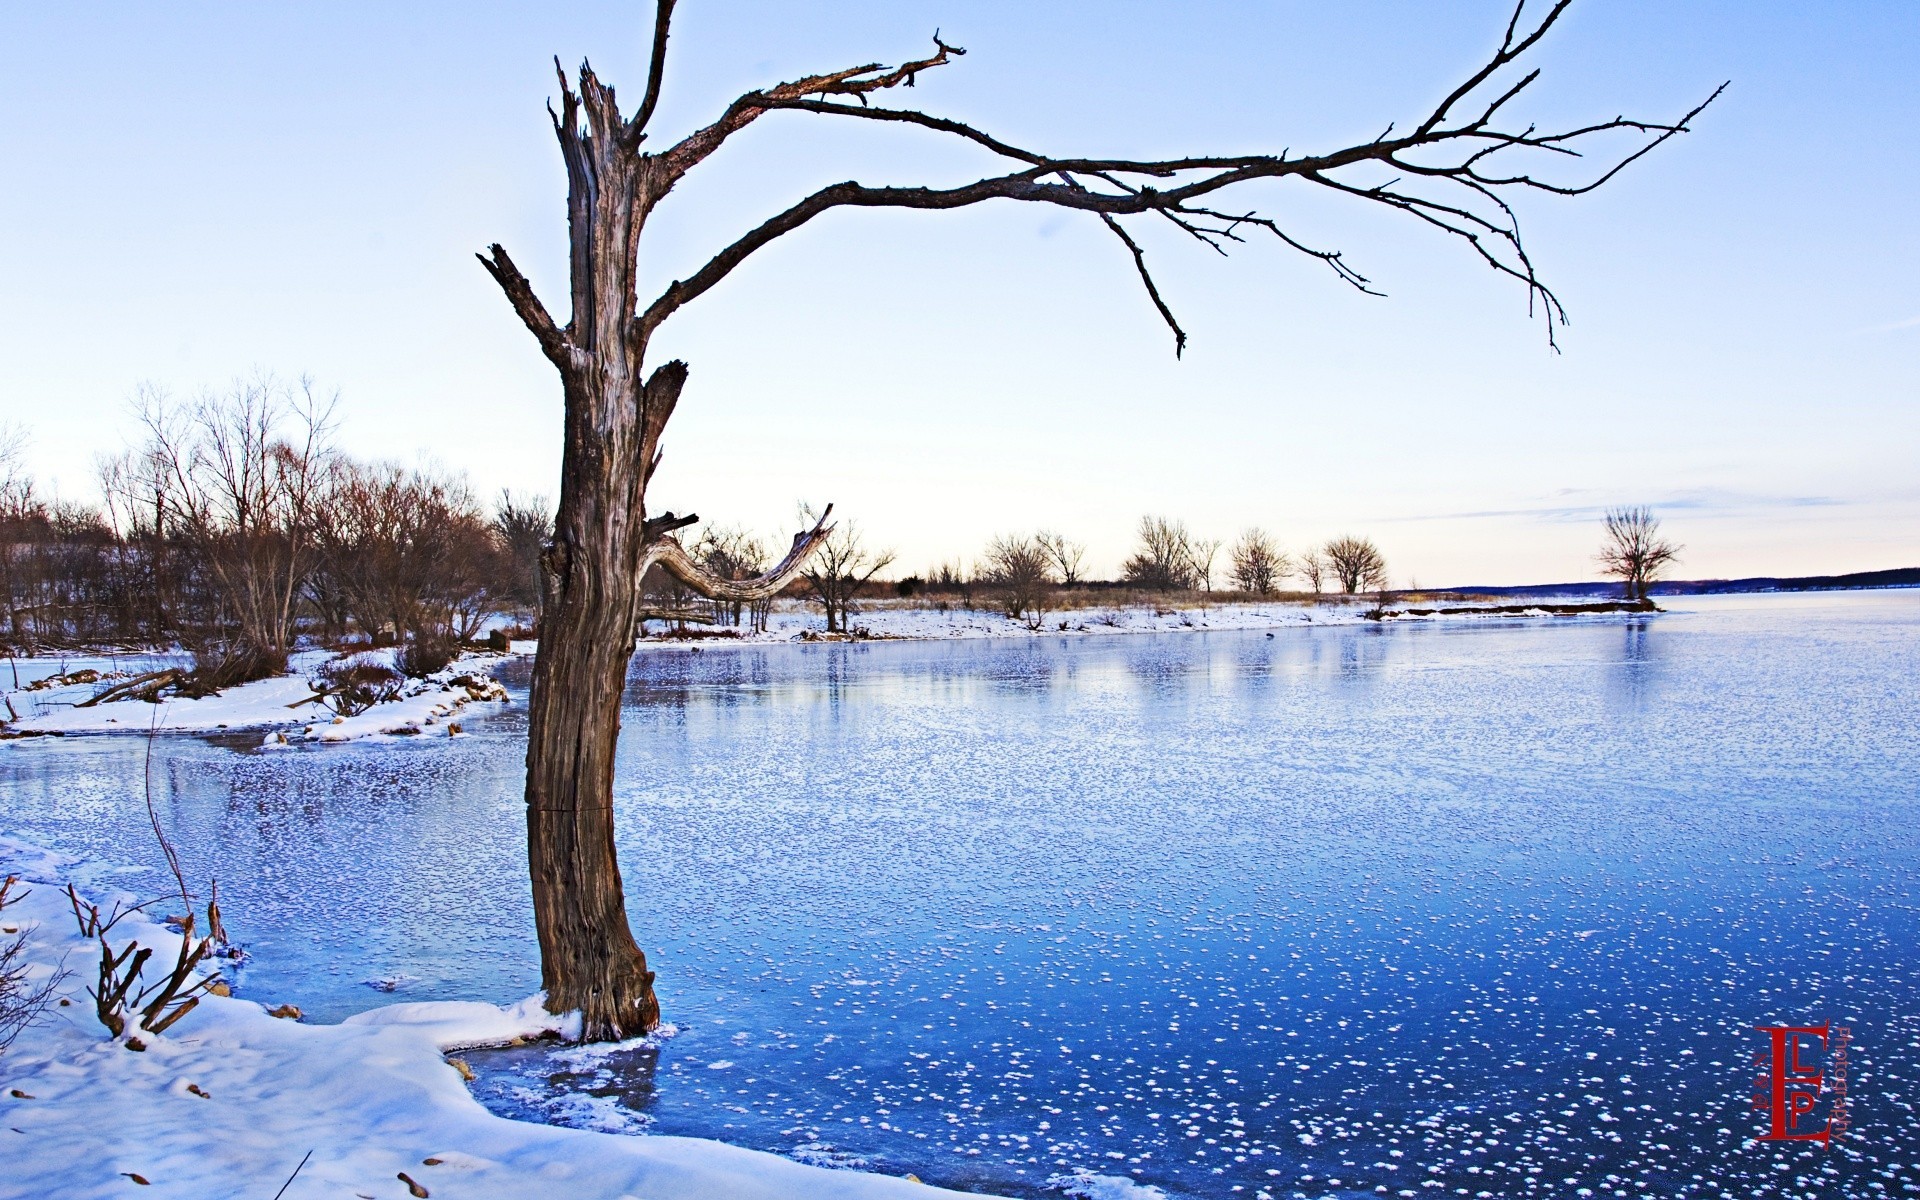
(1894, 578)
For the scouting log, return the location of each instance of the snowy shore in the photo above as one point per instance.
(228, 1101)
(282, 706)
(432, 706)
(917, 620)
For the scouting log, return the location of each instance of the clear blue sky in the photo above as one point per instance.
(192, 192)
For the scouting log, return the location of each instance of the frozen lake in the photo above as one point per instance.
(1414, 909)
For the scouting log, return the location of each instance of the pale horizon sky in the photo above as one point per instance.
(206, 191)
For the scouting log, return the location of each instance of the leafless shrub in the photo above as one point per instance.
(427, 654)
(952, 579)
(840, 568)
(1020, 569)
(1357, 563)
(353, 684)
(1634, 552)
(1067, 555)
(408, 555)
(119, 993)
(1258, 563)
(1163, 560)
(21, 1000)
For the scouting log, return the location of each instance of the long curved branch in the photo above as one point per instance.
(656, 68)
(668, 553)
(1479, 219)
(858, 82)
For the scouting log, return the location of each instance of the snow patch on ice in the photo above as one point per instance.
(1083, 1184)
(464, 1024)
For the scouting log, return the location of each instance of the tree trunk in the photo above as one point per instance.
(589, 960)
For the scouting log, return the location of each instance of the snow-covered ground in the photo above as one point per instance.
(429, 706)
(791, 620)
(229, 1100)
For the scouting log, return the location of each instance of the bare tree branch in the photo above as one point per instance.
(673, 557)
(1478, 216)
(858, 82)
(1146, 278)
(657, 401)
(531, 312)
(656, 68)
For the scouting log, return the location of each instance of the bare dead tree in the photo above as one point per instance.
(1067, 555)
(841, 565)
(1451, 170)
(234, 481)
(1202, 552)
(1258, 562)
(1312, 568)
(1634, 552)
(1163, 559)
(1357, 563)
(1021, 570)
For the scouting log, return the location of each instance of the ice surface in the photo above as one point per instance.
(1340, 910)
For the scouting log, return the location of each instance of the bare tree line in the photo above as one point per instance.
(233, 525)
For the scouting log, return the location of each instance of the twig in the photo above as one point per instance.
(291, 1178)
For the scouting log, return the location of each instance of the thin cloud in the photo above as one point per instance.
(1703, 503)
(1909, 323)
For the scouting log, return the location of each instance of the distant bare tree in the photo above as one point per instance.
(1163, 560)
(952, 578)
(1357, 563)
(1021, 570)
(1066, 555)
(1202, 553)
(236, 480)
(411, 555)
(839, 567)
(730, 552)
(524, 529)
(1634, 552)
(1258, 562)
(20, 513)
(1312, 567)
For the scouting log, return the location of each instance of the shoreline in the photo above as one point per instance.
(432, 706)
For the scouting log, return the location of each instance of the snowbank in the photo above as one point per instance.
(426, 706)
(230, 1099)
